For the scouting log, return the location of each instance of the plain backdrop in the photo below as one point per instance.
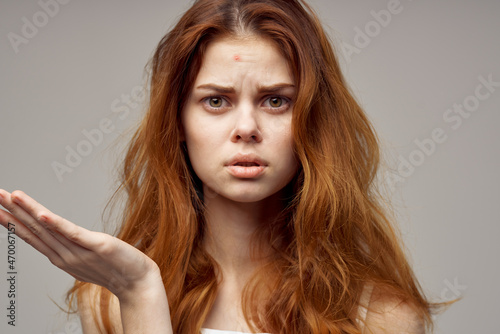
(79, 66)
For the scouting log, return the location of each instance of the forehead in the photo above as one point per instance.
(232, 55)
(251, 46)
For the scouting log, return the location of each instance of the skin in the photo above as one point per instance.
(253, 99)
(93, 257)
(241, 102)
(216, 125)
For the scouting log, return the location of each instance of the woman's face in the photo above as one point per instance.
(237, 120)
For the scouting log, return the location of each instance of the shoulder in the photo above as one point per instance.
(388, 314)
(89, 310)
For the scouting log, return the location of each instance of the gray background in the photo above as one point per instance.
(82, 62)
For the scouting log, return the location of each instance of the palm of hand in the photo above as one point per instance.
(88, 256)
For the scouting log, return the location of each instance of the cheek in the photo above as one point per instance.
(204, 134)
(282, 138)
(191, 124)
(195, 144)
(283, 146)
(203, 140)
(191, 136)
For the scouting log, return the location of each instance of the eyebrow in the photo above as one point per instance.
(230, 90)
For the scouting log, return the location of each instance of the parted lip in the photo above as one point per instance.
(246, 159)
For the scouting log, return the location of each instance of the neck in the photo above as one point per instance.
(230, 227)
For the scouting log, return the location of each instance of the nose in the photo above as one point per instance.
(246, 126)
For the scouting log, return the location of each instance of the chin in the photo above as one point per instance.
(242, 193)
(250, 196)
(245, 197)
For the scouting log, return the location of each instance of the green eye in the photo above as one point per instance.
(276, 102)
(215, 102)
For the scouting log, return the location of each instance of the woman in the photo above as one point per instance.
(251, 203)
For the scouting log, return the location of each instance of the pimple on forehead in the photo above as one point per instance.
(236, 57)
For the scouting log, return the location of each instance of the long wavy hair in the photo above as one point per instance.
(334, 234)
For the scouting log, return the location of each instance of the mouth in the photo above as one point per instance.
(247, 160)
(246, 166)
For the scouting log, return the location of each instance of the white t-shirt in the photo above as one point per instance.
(365, 300)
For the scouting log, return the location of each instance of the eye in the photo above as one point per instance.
(276, 102)
(215, 102)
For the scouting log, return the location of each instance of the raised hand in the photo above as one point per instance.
(93, 257)
(86, 255)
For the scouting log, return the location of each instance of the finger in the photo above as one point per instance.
(38, 228)
(21, 231)
(40, 213)
(69, 230)
(12, 224)
(21, 215)
(86, 239)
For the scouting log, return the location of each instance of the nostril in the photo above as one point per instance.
(243, 136)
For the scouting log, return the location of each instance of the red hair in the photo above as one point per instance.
(334, 235)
